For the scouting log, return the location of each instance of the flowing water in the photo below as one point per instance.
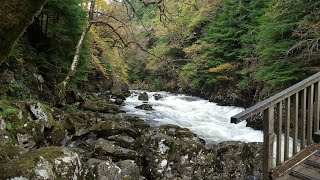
(206, 119)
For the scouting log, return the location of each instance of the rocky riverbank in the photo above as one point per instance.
(93, 141)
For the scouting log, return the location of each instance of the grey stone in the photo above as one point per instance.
(143, 96)
(106, 147)
(130, 170)
(122, 140)
(108, 170)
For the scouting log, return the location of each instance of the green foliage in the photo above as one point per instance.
(287, 33)
(8, 111)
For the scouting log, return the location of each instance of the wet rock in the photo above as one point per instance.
(129, 170)
(122, 140)
(146, 107)
(45, 163)
(143, 96)
(118, 101)
(105, 147)
(157, 96)
(100, 106)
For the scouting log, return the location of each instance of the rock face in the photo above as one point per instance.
(171, 152)
(45, 163)
(143, 96)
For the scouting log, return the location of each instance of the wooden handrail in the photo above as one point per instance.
(297, 107)
(275, 99)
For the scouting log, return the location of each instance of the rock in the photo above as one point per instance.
(113, 125)
(146, 107)
(108, 170)
(9, 151)
(157, 96)
(122, 140)
(143, 96)
(237, 160)
(130, 170)
(171, 152)
(25, 140)
(100, 106)
(40, 114)
(118, 101)
(105, 147)
(256, 122)
(45, 163)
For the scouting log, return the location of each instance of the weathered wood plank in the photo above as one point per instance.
(287, 128)
(303, 119)
(310, 114)
(295, 123)
(276, 98)
(268, 135)
(279, 133)
(279, 170)
(305, 171)
(317, 107)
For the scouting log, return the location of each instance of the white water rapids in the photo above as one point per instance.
(206, 119)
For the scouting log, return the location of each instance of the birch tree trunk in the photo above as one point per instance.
(62, 87)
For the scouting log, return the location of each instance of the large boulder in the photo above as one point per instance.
(171, 152)
(100, 106)
(115, 124)
(143, 96)
(45, 163)
(108, 148)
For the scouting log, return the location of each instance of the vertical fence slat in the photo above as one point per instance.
(287, 129)
(279, 132)
(310, 114)
(295, 123)
(303, 118)
(268, 136)
(317, 107)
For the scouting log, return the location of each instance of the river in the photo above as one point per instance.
(206, 119)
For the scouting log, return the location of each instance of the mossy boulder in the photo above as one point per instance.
(100, 106)
(45, 163)
(10, 151)
(143, 96)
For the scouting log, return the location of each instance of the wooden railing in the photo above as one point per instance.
(294, 113)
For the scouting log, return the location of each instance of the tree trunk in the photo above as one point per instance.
(62, 87)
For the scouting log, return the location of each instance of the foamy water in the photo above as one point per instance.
(206, 119)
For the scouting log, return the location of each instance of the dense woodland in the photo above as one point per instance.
(232, 52)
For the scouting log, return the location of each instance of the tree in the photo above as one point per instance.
(289, 42)
(15, 16)
(61, 87)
